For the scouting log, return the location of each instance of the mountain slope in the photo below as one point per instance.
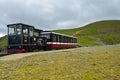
(3, 41)
(97, 33)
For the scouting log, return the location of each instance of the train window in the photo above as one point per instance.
(11, 30)
(67, 39)
(18, 30)
(64, 39)
(54, 38)
(60, 38)
(31, 32)
(45, 35)
(25, 30)
(36, 33)
(70, 39)
(75, 40)
(57, 38)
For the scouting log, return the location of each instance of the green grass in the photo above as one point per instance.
(88, 41)
(96, 33)
(111, 39)
(90, 63)
(3, 41)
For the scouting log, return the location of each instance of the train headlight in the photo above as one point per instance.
(34, 39)
(19, 46)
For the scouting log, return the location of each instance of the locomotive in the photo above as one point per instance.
(26, 38)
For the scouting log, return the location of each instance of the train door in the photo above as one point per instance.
(31, 35)
(25, 35)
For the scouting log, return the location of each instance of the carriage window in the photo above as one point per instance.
(25, 31)
(54, 37)
(11, 30)
(60, 38)
(64, 39)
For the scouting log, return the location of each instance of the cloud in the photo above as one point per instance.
(56, 14)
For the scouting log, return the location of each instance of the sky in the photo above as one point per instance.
(56, 14)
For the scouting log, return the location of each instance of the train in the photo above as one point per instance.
(26, 38)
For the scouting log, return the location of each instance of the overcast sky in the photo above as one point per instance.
(56, 14)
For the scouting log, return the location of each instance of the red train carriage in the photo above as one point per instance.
(59, 41)
(25, 38)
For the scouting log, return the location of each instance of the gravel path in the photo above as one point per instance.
(22, 55)
(78, 50)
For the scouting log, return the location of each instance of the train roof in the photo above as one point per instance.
(38, 29)
(57, 34)
(20, 24)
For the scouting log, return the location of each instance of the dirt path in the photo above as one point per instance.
(76, 33)
(77, 50)
(22, 55)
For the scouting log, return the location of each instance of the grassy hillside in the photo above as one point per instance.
(3, 41)
(98, 33)
(86, 63)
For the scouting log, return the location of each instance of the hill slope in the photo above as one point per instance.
(3, 41)
(98, 33)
